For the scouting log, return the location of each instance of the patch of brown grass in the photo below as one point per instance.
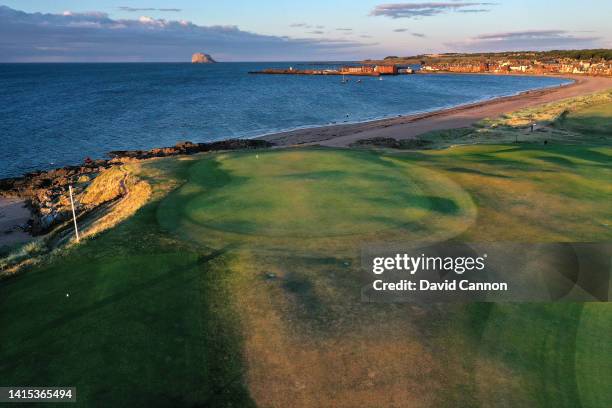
(108, 186)
(134, 194)
(341, 353)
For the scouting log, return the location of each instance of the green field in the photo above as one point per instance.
(240, 287)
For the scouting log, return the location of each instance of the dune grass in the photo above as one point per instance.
(238, 285)
(584, 120)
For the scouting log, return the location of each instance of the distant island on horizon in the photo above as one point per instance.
(202, 58)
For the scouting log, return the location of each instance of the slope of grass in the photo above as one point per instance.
(593, 119)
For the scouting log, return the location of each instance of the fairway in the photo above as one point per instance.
(238, 285)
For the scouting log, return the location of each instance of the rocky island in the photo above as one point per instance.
(201, 58)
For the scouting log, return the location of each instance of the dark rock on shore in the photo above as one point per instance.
(45, 192)
(192, 148)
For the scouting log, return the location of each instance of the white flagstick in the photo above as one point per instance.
(76, 229)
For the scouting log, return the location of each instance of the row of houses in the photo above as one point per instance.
(383, 69)
(566, 66)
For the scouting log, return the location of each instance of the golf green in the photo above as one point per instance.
(282, 197)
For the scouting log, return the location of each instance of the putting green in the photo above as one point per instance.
(326, 197)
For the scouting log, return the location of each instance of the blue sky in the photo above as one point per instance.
(241, 30)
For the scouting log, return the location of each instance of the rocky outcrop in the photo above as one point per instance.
(45, 191)
(201, 58)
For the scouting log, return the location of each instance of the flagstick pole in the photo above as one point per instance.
(76, 229)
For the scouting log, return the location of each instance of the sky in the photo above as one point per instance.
(266, 30)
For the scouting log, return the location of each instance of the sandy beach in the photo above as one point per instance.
(13, 214)
(409, 126)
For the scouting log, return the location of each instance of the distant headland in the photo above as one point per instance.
(201, 58)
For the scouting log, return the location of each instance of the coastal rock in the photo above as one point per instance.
(45, 191)
(201, 58)
(190, 148)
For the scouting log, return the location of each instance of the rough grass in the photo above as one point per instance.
(133, 194)
(26, 254)
(107, 186)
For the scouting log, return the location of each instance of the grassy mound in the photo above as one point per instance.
(593, 119)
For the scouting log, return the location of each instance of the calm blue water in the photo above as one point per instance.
(57, 114)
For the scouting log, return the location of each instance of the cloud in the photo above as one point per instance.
(427, 9)
(317, 32)
(94, 36)
(299, 25)
(473, 11)
(140, 9)
(344, 29)
(529, 34)
(405, 30)
(524, 40)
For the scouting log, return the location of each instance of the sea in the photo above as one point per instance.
(53, 115)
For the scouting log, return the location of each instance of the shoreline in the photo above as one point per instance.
(411, 125)
(14, 214)
(264, 136)
(302, 135)
(267, 134)
(31, 189)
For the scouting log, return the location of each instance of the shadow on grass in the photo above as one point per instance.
(478, 172)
